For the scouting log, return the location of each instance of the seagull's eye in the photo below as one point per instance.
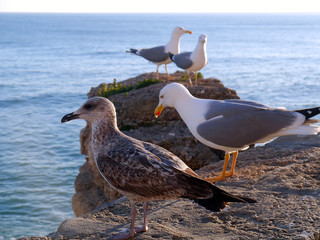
(87, 106)
(161, 96)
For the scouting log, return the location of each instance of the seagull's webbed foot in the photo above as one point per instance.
(224, 174)
(129, 235)
(123, 236)
(216, 179)
(134, 230)
(141, 228)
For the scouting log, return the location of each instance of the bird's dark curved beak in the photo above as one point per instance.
(69, 117)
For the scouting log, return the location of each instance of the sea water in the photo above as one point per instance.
(48, 62)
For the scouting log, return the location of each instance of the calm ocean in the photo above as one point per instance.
(48, 62)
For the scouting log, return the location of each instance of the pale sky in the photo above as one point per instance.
(164, 6)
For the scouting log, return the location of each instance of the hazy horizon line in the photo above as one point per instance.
(231, 12)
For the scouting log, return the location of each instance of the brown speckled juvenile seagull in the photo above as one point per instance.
(143, 171)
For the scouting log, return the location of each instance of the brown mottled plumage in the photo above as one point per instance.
(143, 171)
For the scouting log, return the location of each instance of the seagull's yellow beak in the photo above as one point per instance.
(187, 31)
(158, 110)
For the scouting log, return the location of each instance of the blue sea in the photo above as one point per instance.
(48, 63)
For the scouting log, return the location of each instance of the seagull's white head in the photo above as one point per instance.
(179, 31)
(203, 38)
(93, 110)
(169, 95)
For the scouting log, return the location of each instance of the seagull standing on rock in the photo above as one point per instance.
(143, 171)
(233, 125)
(192, 61)
(160, 55)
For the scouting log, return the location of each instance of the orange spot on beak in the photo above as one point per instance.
(158, 110)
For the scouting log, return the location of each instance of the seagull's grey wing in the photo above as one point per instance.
(246, 102)
(183, 60)
(169, 159)
(230, 107)
(156, 54)
(237, 126)
(136, 171)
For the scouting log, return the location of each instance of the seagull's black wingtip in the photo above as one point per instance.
(132, 50)
(309, 112)
(171, 55)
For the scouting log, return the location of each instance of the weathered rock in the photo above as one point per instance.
(283, 177)
(80, 228)
(135, 108)
(136, 118)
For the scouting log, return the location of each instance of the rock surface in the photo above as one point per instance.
(283, 176)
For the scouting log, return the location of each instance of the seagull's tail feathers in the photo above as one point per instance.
(220, 199)
(309, 112)
(307, 127)
(133, 51)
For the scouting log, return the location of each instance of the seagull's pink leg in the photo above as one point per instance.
(144, 227)
(122, 236)
(134, 230)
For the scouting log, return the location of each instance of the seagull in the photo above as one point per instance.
(233, 125)
(192, 61)
(143, 171)
(159, 55)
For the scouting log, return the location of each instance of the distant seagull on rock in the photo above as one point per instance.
(233, 125)
(143, 171)
(192, 61)
(160, 55)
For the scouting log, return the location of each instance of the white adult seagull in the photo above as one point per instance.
(233, 125)
(192, 61)
(160, 55)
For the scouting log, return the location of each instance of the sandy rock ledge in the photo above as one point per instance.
(283, 176)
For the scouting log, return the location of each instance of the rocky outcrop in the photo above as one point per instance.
(136, 119)
(283, 176)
